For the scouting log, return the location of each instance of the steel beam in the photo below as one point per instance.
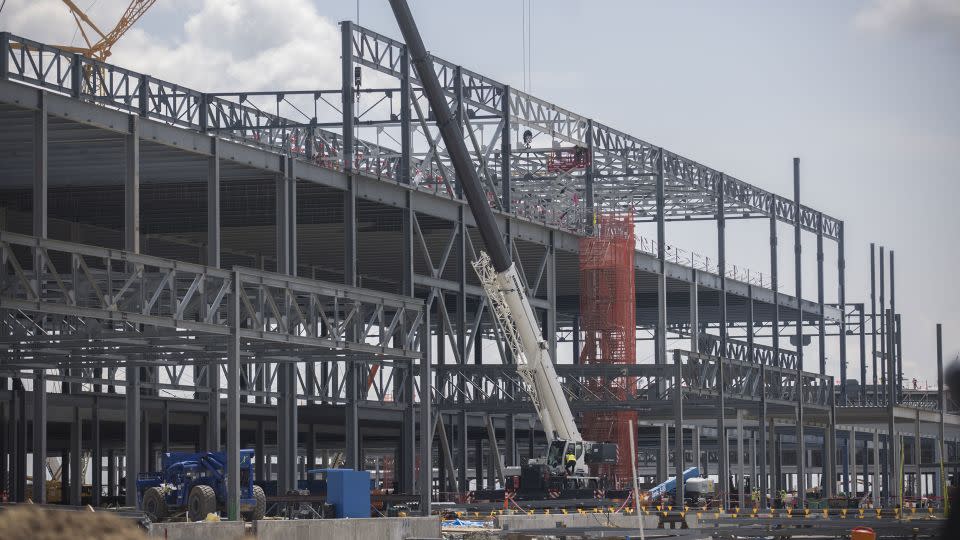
(425, 481)
(801, 442)
(96, 455)
(724, 484)
(131, 236)
(678, 427)
(41, 182)
(76, 454)
(233, 404)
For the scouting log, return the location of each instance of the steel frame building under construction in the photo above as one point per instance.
(288, 271)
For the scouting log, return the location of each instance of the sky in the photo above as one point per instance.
(866, 94)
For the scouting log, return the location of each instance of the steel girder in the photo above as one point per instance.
(621, 176)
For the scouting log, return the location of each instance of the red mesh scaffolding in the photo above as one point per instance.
(608, 322)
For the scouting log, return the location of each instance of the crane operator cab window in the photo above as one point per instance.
(555, 455)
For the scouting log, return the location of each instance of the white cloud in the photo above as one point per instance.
(223, 44)
(928, 18)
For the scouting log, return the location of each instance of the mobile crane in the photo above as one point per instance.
(551, 475)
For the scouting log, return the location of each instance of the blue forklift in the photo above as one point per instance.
(196, 483)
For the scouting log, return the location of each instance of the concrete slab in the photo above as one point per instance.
(588, 520)
(221, 530)
(346, 529)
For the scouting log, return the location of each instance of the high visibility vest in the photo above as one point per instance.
(571, 457)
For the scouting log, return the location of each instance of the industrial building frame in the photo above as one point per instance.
(286, 345)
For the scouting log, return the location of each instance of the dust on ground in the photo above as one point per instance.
(27, 521)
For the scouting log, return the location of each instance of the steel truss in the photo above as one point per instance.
(81, 315)
(622, 172)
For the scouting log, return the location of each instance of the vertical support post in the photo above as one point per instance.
(777, 459)
(821, 321)
(698, 461)
(694, 312)
(406, 144)
(725, 486)
(876, 468)
(165, 427)
(589, 173)
(678, 426)
(893, 440)
(76, 451)
(233, 403)
(774, 283)
(426, 418)
(829, 447)
(112, 466)
(96, 454)
(575, 335)
(461, 329)
(893, 331)
(761, 452)
(873, 321)
(661, 330)
(510, 440)
(842, 301)
(506, 150)
(863, 356)
(884, 374)
(40, 189)
(741, 485)
(801, 443)
(352, 428)
(940, 487)
(917, 473)
(851, 489)
(131, 235)
(660, 334)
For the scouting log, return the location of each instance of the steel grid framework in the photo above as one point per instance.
(279, 320)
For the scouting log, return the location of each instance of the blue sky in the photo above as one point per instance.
(866, 93)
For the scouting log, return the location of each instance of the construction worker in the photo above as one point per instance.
(571, 461)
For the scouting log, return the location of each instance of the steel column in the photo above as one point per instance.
(942, 405)
(131, 235)
(694, 312)
(877, 480)
(741, 485)
(425, 481)
(96, 454)
(801, 442)
(842, 301)
(76, 451)
(661, 330)
(41, 183)
(724, 486)
(873, 322)
(821, 323)
(894, 331)
(678, 427)
(233, 403)
(863, 356)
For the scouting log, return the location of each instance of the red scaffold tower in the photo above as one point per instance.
(608, 322)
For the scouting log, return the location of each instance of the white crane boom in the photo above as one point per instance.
(515, 317)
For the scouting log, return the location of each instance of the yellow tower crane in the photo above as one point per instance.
(100, 49)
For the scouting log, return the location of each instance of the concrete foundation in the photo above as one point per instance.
(541, 521)
(343, 529)
(222, 530)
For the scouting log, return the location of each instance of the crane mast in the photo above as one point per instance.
(497, 272)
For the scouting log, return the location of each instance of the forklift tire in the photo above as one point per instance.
(155, 504)
(201, 501)
(260, 505)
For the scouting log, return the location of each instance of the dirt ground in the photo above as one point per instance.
(26, 521)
